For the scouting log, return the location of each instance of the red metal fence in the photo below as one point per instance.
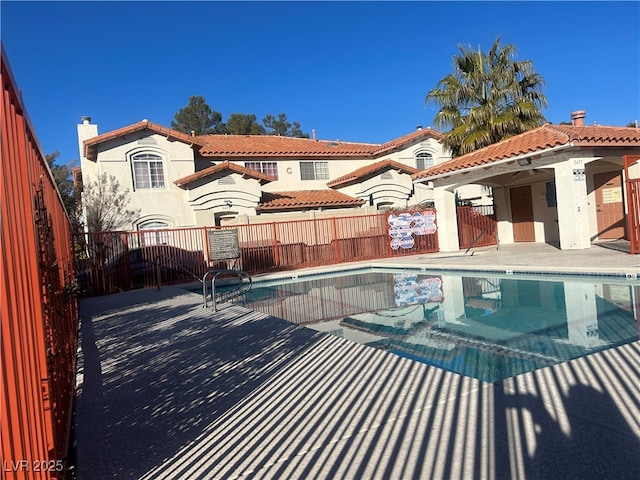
(633, 204)
(39, 311)
(476, 226)
(113, 261)
(633, 190)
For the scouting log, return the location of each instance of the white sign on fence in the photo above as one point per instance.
(404, 226)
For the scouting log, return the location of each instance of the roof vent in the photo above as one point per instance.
(577, 118)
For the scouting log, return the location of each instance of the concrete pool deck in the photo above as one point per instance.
(169, 390)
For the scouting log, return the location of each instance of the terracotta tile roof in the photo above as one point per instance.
(91, 144)
(417, 135)
(248, 172)
(356, 175)
(296, 200)
(248, 146)
(272, 146)
(539, 139)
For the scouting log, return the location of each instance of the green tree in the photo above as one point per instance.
(296, 131)
(198, 117)
(63, 178)
(282, 127)
(244, 124)
(489, 97)
(105, 205)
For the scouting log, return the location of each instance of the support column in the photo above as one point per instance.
(573, 213)
(447, 219)
(503, 215)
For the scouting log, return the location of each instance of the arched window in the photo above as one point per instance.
(152, 237)
(148, 171)
(424, 160)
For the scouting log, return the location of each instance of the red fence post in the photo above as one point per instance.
(633, 205)
(336, 240)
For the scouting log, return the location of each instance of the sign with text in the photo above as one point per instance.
(223, 244)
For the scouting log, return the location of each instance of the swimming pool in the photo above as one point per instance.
(487, 327)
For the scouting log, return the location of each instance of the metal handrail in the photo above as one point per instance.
(242, 275)
(171, 260)
(473, 244)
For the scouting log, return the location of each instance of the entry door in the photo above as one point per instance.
(609, 206)
(522, 214)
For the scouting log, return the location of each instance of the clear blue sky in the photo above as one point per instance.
(355, 71)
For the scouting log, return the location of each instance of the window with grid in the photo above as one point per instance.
(147, 171)
(424, 160)
(270, 168)
(314, 170)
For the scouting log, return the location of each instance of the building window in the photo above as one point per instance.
(153, 233)
(147, 171)
(270, 168)
(551, 194)
(314, 170)
(424, 160)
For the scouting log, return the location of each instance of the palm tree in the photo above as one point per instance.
(488, 98)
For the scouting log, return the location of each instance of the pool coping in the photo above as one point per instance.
(625, 274)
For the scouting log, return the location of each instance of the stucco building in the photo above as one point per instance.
(179, 180)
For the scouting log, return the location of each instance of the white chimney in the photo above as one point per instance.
(86, 130)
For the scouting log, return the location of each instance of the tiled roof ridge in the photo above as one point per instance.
(90, 143)
(370, 169)
(142, 125)
(544, 137)
(232, 145)
(293, 199)
(590, 133)
(285, 138)
(410, 136)
(226, 165)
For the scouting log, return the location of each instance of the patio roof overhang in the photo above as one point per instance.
(475, 173)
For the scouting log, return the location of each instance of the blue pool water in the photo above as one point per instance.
(486, 327)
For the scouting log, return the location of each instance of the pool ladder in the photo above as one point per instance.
(240, 288)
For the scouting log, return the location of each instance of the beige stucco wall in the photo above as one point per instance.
(168, 204)
(545, 218)
(289, 169)
(389, 187)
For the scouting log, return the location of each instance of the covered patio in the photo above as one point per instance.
(557, 184)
